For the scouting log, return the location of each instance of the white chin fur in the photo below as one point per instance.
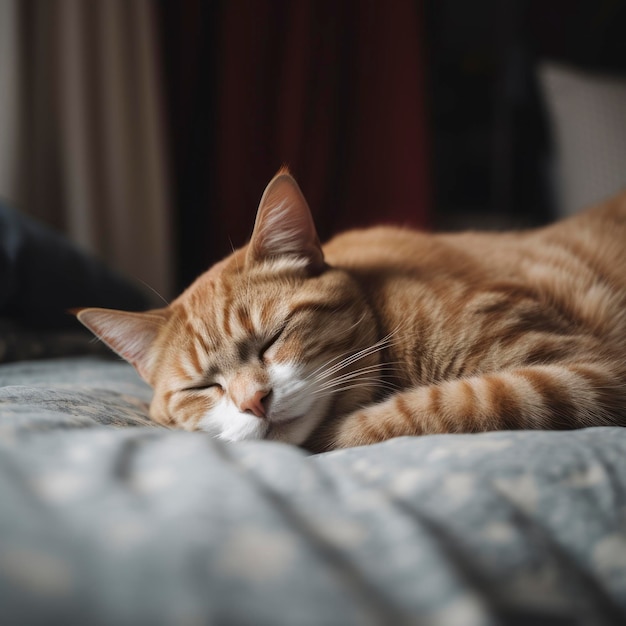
(228, 423)
(292, 397)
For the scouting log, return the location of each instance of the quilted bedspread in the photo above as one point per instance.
(106, 518)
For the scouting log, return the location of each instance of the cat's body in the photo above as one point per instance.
(388, 332)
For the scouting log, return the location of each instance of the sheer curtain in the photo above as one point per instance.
(82, 146)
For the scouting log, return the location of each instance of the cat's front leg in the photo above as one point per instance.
(534, 397)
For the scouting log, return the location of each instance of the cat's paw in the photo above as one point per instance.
(348, 432)
(366, 426)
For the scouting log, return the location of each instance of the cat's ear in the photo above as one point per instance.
(131, 335)
(284, 226)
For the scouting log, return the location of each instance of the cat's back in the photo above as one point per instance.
(575, 268)
(593, 242)
(597, 237)
(401, 252)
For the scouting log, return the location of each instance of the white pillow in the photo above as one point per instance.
(588, 115)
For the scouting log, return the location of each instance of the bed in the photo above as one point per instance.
(107, 518)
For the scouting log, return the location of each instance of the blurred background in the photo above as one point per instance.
(146, 130)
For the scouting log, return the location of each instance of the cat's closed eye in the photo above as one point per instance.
(204, 387)
(270, 342)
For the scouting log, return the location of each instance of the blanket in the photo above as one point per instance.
(106, 518)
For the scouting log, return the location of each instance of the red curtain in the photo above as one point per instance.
(334, 89)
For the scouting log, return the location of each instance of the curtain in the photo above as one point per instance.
(9, 97)
(83, 146)
(333, 89)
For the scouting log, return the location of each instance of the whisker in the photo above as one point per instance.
(339, 383)
(361, 354)
(359, 372)
(232, 247)
(335, 358)
(153, 290)
(344, 361)
(355, 385)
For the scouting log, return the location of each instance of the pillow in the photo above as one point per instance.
(42, 275)
(19, 344)
(588, 114)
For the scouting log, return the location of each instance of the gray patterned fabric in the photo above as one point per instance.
(106, 519)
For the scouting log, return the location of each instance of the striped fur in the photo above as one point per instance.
(388, 332)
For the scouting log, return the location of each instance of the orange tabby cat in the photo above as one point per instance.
(388, 332)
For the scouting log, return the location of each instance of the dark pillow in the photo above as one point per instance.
(42, 275)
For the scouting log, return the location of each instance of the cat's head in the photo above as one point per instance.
(267, 344)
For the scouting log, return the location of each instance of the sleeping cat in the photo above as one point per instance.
(388, 332)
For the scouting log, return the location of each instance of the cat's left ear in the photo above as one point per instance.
(131, 335)
(284, 226)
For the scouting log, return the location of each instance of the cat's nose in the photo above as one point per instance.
(256, 403)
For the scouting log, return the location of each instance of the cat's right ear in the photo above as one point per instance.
(284, 227)
(131, 335)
